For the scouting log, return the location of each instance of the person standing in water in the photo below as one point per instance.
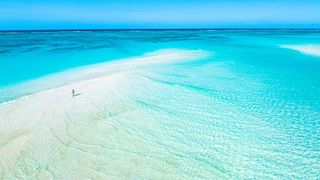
(73, 92)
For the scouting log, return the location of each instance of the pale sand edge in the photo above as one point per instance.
(308, 49)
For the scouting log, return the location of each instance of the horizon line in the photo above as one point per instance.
(147, 29)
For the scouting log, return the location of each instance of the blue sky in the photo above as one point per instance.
(81, 14)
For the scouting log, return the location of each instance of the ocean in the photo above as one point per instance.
(248, 108)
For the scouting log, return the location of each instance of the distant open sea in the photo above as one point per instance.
(251, 109)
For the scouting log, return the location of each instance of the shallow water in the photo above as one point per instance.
(251, 109)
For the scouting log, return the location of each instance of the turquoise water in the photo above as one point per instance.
(250, 110)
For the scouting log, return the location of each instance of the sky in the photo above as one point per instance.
(118, 14)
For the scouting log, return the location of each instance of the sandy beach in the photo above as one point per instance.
(37, 129)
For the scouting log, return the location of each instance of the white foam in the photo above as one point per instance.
(310, 49)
